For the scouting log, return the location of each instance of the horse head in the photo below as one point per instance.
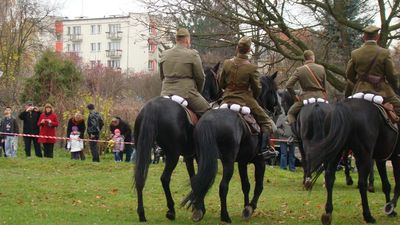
(268, 98)
(211, 91)
(286, 100)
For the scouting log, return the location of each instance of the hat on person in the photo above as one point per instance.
(90, 106)
(182, 32)
(117, 131)
(307, 54)
(29, 103)
(371, 29)
(245, 42)
(75, 128)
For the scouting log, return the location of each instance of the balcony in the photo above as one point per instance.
(114, 35)
(75, 37)
(114, 53)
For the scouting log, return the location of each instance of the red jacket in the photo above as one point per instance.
(46, 128)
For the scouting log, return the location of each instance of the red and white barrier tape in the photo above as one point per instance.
(58, 138)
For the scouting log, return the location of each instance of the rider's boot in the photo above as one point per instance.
(294, 138)
(266, 150)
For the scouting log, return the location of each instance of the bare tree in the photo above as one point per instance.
(283, 26)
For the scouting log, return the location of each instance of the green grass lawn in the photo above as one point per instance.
(62, 191)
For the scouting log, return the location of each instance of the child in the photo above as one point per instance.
(75, 144)
(118, 140)
(9, 125)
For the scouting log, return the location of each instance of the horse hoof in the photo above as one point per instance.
(197, 215)
(349, 182)
(247, 212)
(226, 221)
(142, 219)
(369, 219)
(170, 215)
(393, 214)
(326, 219)
(308, 184)
(389, 208)
(371, 188)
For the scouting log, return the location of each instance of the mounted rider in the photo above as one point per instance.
(241, 83)
(311, 77)
(182, 73)
(370, 70)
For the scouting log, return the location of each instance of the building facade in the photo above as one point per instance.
(127, 43)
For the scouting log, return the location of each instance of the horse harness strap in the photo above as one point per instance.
(232, 85)
(319, 83)
(389, 115)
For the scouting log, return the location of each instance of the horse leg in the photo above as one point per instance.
(228, 168)
(259, 171)
(389, 207)
(347, 167)
(364, 167)
(381, 165)
(244, 178)
(140, 208)
(330, 176)
(170, 165)
(371, 179)
(189, 166)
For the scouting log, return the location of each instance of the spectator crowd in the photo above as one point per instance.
(44, 124)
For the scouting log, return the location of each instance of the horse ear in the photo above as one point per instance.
(274, 75)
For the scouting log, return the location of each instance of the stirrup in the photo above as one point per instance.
(269, 153)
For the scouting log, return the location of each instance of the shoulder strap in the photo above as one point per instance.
(316, 79)
(373, 62)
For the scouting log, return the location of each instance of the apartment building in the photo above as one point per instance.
(127, 43)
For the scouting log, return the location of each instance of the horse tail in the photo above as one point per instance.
(205, 141)
(145, 136)
(340, 124)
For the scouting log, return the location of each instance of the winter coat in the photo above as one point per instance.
(95, 123)
(47, 129)
(125, 129)
(30, 120)
(81, 127)
(118, 145)
(9, 125)
(74, 144)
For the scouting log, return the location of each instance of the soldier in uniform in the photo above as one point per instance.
(311, 77)
(370, 69)
(182, 74)
(241, 83)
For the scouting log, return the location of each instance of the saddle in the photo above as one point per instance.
(191, 116)
(245, 114)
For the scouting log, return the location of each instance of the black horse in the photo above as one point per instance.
(164, 121)
(309, 128)
(357, 124)
(222, 134)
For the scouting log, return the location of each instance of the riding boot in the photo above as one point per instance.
(294, 138)
(266, 150)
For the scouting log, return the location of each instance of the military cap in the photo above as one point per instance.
(307, 54)
(245, 42)
(182, 32)
(371, 29)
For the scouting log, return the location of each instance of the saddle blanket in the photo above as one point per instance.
(245, 115)
(314, 100)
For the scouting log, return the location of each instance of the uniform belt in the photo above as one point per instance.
(313, 89)
(372, 79)
(237, 87)
(176, 77)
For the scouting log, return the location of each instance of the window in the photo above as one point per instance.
(93, 29)
(76, 30)
(68, 47)
(68, 30)
(98, 29)
(114, 28)
(98, 46)
(151, 65)
(92, 64)
(113, 64)
(99, 62)
(114, 45)
(76, 47)
(93, 47)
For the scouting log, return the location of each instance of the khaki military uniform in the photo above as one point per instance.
(182, 74)
(310, 88)
(241, 83)
(357, 67)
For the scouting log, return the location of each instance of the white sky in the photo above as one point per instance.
(94, 8)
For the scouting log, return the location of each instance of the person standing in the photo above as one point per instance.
(118, 147)
(78, 121)
(47, 127)
(75, 144)
(9, 125)
(371, 70)
(287, 149)
(94, 125)
(30, 117)
(126, 132)
(182, 73)
(241, 83)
